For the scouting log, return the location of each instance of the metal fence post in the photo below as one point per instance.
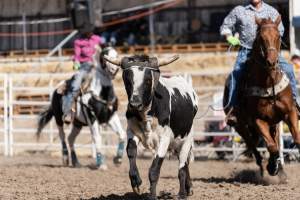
(10, 116)
(5, 115)
(51, 122)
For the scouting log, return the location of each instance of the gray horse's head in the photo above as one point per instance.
(110, 69)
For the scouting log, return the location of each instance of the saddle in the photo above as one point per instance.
(63, 88)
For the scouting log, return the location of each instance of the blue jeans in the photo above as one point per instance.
(239, 68)
(68, 99)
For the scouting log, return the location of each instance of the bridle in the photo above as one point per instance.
(269, 49)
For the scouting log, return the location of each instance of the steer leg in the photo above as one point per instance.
(75, 131)
(134, 175)
(188, 181)
(65, 152)
(183, 173)
(154, 170)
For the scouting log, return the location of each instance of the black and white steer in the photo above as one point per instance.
(172, 102)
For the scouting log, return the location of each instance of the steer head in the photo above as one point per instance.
(140, 76)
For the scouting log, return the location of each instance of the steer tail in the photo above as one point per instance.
(43, 120)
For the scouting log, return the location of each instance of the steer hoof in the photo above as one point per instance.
(136, 181)
(136, 190)
(190, 192)
(181, 197)
(152, 197)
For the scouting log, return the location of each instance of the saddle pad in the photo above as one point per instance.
(267, 92)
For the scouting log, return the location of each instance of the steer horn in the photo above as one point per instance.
(167, 61)
(114, 61)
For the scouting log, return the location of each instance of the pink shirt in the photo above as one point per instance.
(85, 48)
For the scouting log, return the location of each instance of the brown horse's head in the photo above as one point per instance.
(268, 39)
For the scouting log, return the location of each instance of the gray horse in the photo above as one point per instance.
(98, 104)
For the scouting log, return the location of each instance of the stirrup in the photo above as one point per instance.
(230, 118)
(68, 118)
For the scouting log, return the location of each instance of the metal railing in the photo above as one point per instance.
(11, 130)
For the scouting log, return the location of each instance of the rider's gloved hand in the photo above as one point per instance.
(76, 66)
(234, 41)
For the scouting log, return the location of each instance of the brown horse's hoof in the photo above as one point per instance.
(261, 170)
(282, 177)
(274, 167)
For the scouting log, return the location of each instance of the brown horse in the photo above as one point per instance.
(266, 97)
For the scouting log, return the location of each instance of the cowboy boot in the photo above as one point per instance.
(231, 118)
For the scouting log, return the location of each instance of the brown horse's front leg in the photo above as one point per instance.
(274, 165)
(251, 141)
(264, 129)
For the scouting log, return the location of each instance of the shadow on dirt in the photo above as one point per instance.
(89, 166)
(132, 196)
(127, 196)
(53, 165)
(244, 176)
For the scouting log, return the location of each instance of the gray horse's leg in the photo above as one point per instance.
(97, 141)
(116, 126)
(75, 131)
(65, 152)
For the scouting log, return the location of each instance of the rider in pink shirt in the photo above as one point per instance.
(86, 48)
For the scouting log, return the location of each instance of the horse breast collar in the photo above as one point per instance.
(267, 92)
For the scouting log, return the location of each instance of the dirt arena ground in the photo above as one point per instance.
(43, 177)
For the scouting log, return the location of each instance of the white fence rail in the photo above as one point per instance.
(10, 130)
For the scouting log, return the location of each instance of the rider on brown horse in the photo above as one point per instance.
(241, 20)
(267, 97)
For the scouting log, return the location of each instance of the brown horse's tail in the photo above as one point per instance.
(43, 120)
